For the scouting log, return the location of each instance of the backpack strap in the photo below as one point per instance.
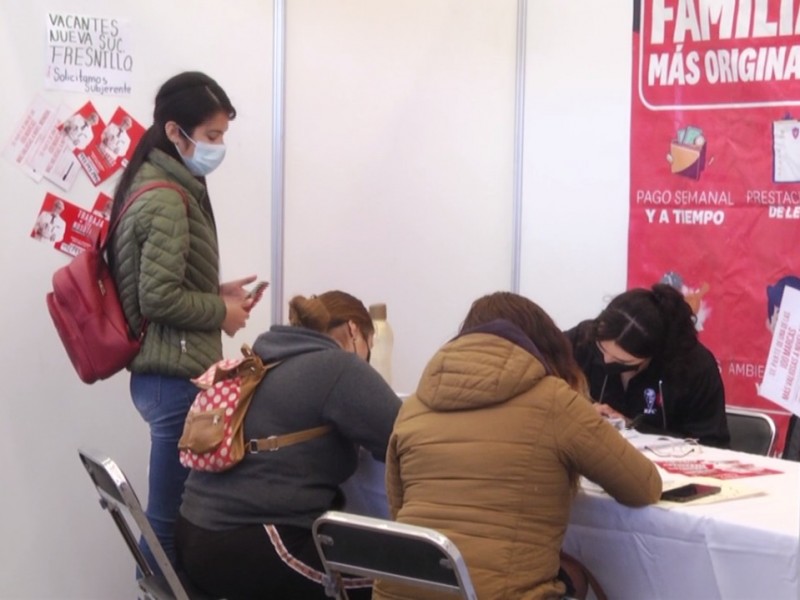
(133, 197)
(275, 442)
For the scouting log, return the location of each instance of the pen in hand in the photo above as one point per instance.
(635, 422)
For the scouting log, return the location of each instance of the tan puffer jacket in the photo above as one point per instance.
(166, 267)
(487, 452)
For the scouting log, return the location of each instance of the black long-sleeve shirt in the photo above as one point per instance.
(687, 404)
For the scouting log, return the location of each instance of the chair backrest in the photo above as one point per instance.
(391, 551)
(751, 431)
(119, 499)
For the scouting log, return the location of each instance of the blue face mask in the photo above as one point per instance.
(206, 158)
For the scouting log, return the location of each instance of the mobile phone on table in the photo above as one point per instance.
(689, 492)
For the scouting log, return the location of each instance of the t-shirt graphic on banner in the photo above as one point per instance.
(693, 296)
(786, 150)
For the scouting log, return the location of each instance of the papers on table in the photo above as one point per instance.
(718, 469)
(684, 461)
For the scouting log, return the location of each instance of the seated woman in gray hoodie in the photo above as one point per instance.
(246, 532)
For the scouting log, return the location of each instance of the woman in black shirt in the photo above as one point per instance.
(644, 363)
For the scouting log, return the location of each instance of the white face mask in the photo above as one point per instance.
(206, 158)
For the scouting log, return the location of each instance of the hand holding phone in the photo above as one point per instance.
(255, 294)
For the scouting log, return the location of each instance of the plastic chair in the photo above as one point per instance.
(390, 551)
(119, 499)
(751, 431)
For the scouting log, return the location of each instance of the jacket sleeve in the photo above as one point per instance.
(596, 450)
(394, 483)
(164, 227)
(699, 404)
(362, 406)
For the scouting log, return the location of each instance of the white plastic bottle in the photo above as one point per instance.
(382, 342)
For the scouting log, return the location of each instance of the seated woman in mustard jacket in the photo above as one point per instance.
(489, 449)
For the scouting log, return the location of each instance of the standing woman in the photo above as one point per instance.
(165, 260)
(645, 364)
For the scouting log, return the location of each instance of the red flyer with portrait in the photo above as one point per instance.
(84, 129)
(118, 140)
(69, 228)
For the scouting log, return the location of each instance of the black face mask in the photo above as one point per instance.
(615, 368)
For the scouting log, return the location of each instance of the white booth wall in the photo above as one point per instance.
(57, 542)
(398, 188)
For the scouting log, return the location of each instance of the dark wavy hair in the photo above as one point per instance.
(189, 99)
(655, 323)
(536, 324)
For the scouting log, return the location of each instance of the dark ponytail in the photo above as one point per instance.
(657, 323)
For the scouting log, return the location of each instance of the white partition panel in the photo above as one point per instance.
(399, 151)
(577, 149)
(57, 542)
(398, 188)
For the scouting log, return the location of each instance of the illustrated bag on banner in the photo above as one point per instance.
(687, 153)
(786, 151)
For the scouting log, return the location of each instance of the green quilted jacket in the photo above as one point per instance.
(165, 260)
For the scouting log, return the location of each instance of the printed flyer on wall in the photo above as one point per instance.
(38, 147)
(69, 228)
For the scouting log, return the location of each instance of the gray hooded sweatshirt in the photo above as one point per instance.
(317, 383)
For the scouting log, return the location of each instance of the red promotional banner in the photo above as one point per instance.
(715, 171)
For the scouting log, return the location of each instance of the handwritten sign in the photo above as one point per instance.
(781, 383)
(91, 55)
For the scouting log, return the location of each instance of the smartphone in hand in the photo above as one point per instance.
(257, 292)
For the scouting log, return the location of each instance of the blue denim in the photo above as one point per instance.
(163, 403)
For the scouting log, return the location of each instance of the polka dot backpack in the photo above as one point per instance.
(213, 433)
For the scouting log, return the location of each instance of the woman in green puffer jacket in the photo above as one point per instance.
(165, 260)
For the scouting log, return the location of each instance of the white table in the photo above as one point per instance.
(742, 549)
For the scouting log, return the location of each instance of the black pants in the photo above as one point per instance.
(256, 561)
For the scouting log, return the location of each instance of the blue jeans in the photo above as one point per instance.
(163, 403)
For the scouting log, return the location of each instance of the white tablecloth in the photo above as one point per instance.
(741, 549)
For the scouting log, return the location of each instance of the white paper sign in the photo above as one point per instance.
(36, 124)
(91, 55)
(54, 157)
(781, 383)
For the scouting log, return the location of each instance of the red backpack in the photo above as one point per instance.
(86, 310)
